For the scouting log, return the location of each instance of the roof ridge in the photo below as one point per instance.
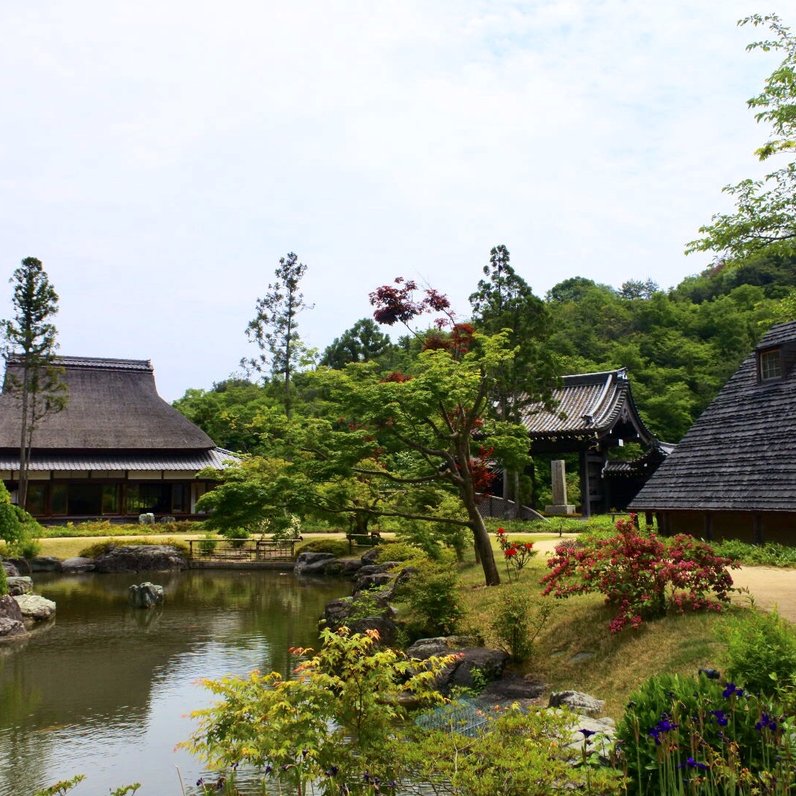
(97, 363)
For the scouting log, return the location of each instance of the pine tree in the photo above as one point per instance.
(30, 338)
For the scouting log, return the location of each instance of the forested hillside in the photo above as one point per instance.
(679, 347)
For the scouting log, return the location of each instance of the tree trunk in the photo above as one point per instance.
(515, 474)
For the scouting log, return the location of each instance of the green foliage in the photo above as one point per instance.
(10, 525)
(770, 554)
(207, 545)
(106, 528)
(517, 622)
(432, 599)
(684, 735)
(333, 726)
(363, 342)
(761, 652)
(101, 548)
(62, 787)
(3, 580)
(337, 547)
(763, 220)
(398, 551)
(516, 753)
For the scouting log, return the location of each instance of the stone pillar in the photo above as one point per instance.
(558, 474)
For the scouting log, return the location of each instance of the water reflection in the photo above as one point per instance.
(106, 689)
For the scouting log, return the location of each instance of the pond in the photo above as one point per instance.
(105, 690)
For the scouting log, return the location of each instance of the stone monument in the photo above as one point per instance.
(558, 474)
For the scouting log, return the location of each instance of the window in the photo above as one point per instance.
(770, 364)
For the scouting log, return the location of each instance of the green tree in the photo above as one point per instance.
(31, 338)
(363, 342)
(274, 328)
(764, 220)
(505, 301)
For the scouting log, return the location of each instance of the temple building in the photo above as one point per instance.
(595, 412)
(115, 451)
(734, 473)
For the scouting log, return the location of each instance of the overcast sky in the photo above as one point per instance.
(161, 156)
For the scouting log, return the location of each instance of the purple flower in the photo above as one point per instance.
(587, 733)
(720, 716)
(729, 690)
(766, 722)
(691, 763)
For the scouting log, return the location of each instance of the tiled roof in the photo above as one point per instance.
(587, 405)
(741, 453)
(641, 467)
(217, 458)
(95, 363)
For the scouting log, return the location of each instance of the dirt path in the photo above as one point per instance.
(769, 586)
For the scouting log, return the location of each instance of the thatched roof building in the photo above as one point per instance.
(595, 412)
(116, 450)
(734, 473)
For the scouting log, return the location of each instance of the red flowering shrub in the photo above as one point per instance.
(515, 554)
(640, 576)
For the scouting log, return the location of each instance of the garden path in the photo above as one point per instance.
(769, 586)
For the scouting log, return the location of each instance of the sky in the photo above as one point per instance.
(160, 157)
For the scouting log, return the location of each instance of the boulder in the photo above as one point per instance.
(577, 702)
(10, 569)
(77, 564)
(441, 645)
(387, 629)
(376, 569)
(509, 689)
(44, 564)
(145, 595)
(370, 557)
(490, 664)
(11, 624)
(337, 611)
(35, 608)
(20, 585)
(366, 582)
(140, 558)
(349, 567)
(312, 563)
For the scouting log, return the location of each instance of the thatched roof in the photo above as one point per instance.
(112, 404)
(588, 407)
(740, 455)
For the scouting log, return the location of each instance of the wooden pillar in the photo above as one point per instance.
(757, 526)
(708, 526)
(584, 484)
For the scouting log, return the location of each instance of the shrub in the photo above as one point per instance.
(330, 729)
(398, 551)
(770, 554)
(432, 599)
(761, 652)
(3, 580)
(10, 524)
(679, 732)
(337, 547)
(100, 548)
(640, 576)
(515, 554)
(517, 622)
(207, 545)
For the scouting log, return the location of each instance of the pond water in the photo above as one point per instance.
(105, 690)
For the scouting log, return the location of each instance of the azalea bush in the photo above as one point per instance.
(696, 735)
(515, 554)
(641, 577)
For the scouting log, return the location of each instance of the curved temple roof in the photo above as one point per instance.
(589, 406)
(112, 405)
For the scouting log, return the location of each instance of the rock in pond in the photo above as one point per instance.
(10, 569)
(145, 595)
(35, 608)
(20, 585)
(77, 564)
(140, 558)
(11, 624)
(313, 563)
